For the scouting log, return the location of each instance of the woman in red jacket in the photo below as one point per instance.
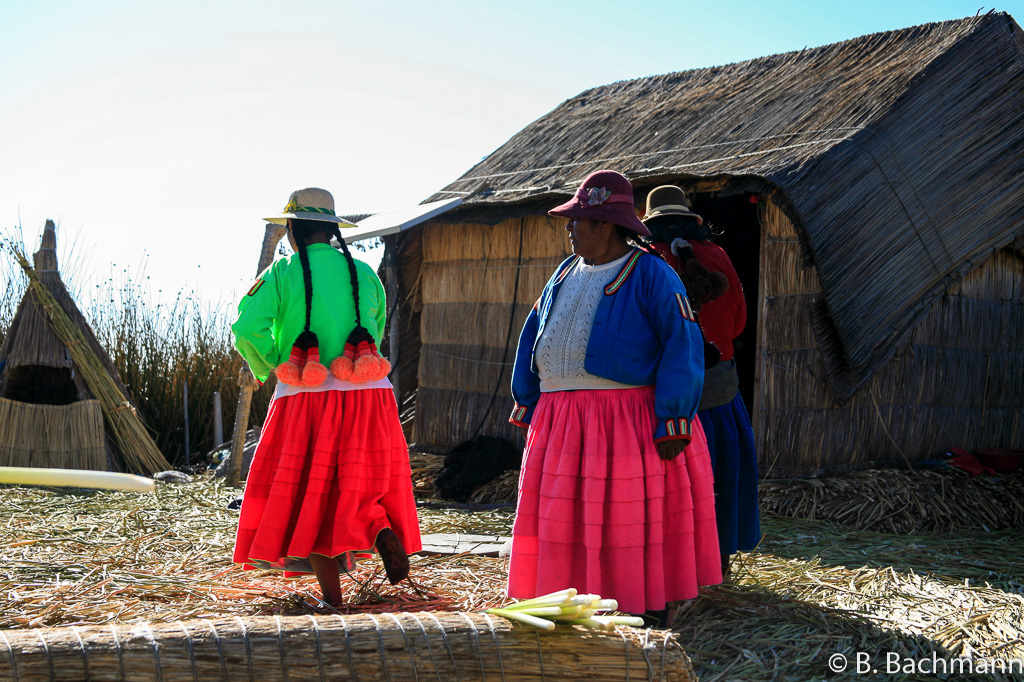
(681, 238)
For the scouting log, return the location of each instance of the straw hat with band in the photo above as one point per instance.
(311, 203)
(360, 361)
(668, 200)
(606, 196)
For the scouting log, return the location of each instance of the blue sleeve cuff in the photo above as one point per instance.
(679, 428)
(521, 415)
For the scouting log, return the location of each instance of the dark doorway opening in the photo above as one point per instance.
(736, 217)
(40, 384)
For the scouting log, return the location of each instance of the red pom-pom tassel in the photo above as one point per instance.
(341, 367)
(361, 361)
(289, 373)
(314, 373)
(366, 368)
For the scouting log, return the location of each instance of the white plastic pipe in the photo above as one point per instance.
(78, 478)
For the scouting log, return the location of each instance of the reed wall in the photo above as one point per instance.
(958, 382)
(52, 436)
(476, 286)
(409, 249)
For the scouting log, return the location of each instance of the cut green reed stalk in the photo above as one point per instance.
(136, 445)
(565, 606)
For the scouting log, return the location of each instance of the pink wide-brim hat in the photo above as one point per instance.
(605, 195)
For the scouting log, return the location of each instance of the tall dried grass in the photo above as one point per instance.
(156, 347)
(10, 296)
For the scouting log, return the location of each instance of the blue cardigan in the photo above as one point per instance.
(644, 334)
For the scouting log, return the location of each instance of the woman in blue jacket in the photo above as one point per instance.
(616, 494)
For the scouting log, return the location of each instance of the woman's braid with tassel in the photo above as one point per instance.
(360, 361)
(303, 367)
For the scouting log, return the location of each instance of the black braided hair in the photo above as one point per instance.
(666, 228)
(302, 230)
(353, 275)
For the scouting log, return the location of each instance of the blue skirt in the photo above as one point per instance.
(734, 460)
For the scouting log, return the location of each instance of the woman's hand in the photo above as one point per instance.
(670, 449)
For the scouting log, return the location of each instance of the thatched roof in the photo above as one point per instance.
(899, 157)
(31, 339)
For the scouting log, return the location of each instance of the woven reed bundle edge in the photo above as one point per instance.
(389, 646)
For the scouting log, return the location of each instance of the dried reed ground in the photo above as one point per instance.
(811, 590)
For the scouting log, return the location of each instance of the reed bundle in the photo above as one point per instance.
(135, 443)
(426, 466)
(396, 646)
(55, 436)
(903, 502)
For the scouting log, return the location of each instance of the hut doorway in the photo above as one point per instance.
(737, 218)
(40, 384)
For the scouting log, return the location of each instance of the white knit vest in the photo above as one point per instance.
(562, 348)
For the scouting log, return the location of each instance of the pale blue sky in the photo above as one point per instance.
(163, 132)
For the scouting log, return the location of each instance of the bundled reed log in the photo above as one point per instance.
(138, 449)
(402, 646)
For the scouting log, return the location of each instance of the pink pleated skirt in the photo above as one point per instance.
(601, 512)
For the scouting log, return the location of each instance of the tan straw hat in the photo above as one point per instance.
(668, 200)
(311, 203)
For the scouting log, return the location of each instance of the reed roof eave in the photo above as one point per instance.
(788, 118)
(755, 117)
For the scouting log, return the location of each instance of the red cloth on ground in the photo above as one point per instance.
(724, 318)
(601, 512)
(330, 472)
(971, 464)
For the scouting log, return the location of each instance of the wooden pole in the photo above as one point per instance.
(218, 421)
(246, 381)
(188, 455)
(391, 267)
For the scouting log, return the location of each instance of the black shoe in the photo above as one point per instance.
(654, 619)
(657, 619)
(392, 553)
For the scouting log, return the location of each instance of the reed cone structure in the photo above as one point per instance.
(62, 404)
(386, 646)
(870, 192)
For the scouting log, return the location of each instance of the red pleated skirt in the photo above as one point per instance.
(330, 472)
(601, 512)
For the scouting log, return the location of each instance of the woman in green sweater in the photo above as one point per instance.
(330, 478)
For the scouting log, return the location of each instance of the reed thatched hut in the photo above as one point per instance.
(871, 195)
(49, 417)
